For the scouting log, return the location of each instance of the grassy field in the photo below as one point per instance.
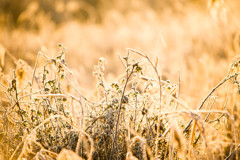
(130, 80)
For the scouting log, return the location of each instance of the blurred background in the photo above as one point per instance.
(196, 39)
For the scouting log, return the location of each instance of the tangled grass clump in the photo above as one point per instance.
(139, 116)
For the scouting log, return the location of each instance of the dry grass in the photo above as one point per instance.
(135, 117)
(179, 100)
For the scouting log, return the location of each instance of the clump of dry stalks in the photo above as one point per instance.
(140, 116)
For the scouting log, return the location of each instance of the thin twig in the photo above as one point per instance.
(233, 153)
(204, 100)
(34, 71)
(119, 111)
(160, 93)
